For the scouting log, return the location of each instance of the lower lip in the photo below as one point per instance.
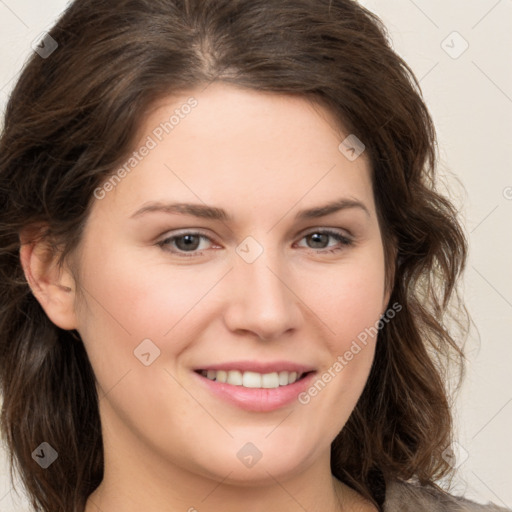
(257, 399)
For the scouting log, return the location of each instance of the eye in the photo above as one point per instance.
(320, 236)
(188, 244)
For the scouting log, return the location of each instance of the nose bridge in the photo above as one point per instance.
(263, 300)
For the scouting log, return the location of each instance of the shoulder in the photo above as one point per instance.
(412, 497)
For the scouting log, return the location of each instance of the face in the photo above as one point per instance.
(244, 286)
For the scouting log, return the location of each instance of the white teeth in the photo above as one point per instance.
(234, 378)
(253, 379)
(221, 376)
(270, 380)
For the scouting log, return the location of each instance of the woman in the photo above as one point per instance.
(225, 269)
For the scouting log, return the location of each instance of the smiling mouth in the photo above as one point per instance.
(248, 379)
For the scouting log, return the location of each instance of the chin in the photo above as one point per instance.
(249, 465)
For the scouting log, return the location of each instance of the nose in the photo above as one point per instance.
(263, 298)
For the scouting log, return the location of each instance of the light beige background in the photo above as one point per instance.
(470, 97)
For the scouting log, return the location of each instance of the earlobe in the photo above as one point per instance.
(52, 286)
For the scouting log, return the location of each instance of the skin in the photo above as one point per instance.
(171, 445)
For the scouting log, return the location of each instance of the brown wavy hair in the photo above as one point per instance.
(73, 118)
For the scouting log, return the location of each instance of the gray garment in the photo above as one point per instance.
(411, 497)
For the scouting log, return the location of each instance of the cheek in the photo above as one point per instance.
(351, 309)
(350, 300)
(131, 297)
(149, 298)
(128, 300)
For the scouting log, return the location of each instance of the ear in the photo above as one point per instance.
(53, 286)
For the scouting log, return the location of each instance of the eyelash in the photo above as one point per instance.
(345, 241)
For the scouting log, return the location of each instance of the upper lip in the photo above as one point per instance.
(260, 367)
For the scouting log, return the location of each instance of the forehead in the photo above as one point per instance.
(242, 148)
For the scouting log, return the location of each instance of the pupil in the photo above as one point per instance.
(189, 241)
(316, 237)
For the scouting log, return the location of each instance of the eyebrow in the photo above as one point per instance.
(214, 213)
